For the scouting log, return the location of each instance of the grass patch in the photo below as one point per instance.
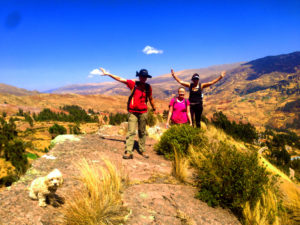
(99, 200)
(179, 166)
(31, 156)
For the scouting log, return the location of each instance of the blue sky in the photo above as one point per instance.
(51, 43)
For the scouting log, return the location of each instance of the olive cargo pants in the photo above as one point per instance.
(133, 120)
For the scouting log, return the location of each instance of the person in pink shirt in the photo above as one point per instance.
(179, 111)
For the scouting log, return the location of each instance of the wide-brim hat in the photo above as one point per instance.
(195, 76)
(143, 73)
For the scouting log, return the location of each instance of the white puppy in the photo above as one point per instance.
(43, 187)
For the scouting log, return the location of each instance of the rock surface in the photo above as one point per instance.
(154, 197)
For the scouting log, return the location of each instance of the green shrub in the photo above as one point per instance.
(31, 156)
(14, 152)
(230, 178)
(57, 129)
(8, 180)
(75, 114)
(29, 119)
(20, 112)
(180, 137)
(245, 132)
(151, 120)
(74, 129)
(117, 118)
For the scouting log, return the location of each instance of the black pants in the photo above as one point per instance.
(196, 112)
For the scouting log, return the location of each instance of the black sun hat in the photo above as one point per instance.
(143, 73)
(195, 76)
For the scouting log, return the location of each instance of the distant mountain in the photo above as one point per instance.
(285, 63)
(8, 89)
(264, 91)
(162, 86)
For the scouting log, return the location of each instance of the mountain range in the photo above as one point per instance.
(264, 92)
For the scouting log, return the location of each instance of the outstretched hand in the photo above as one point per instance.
(223, 74)
(172, 72)
(104, 72)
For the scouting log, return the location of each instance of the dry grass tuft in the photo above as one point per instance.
(99, 201)
(180, 166)
(265, 211)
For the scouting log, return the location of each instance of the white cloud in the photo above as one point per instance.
(95, 72)
(151, 50)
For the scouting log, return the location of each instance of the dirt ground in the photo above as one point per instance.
(154, 197)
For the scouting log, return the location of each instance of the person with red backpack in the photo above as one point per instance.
(137, 109)
(179, 109)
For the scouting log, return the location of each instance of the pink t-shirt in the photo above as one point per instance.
(179, 114)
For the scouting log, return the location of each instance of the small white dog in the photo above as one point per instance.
(44, 187)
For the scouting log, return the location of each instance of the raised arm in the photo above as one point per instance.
(105, 73)
(186, 84)
(205, 85)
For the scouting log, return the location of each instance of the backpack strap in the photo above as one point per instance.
(175, 101)
(147, 92)
(133, 91)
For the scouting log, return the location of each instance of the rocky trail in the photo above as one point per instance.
(153, 196)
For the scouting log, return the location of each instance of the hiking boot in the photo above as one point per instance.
(130, 156)
(144, 155)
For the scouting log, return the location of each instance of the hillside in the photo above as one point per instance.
(263, 92)
(8, 89)
(35, 103)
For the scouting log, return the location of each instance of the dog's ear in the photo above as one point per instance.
(46, 181)
(61, 180)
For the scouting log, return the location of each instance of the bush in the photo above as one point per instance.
(151, 120)
(31, 156)
(20, 112)
(14, 152)
(74, 129)
(75, 114)
(8, 180)
(179, 137)
(118, 118)
(29, 119)
(57, 129)
(7, 133)
(230, 178)
(245, 132)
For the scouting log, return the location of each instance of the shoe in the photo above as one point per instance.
(128, 156)
(144, 155)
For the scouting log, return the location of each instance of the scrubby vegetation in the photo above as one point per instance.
(13, 150)
(117, 118)
(277, 142)
(226, 175)
(74, 114)
(151, 119)
(74, 129)
(178, 137)
(230, 178)
(57, 130)
(241, 131)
